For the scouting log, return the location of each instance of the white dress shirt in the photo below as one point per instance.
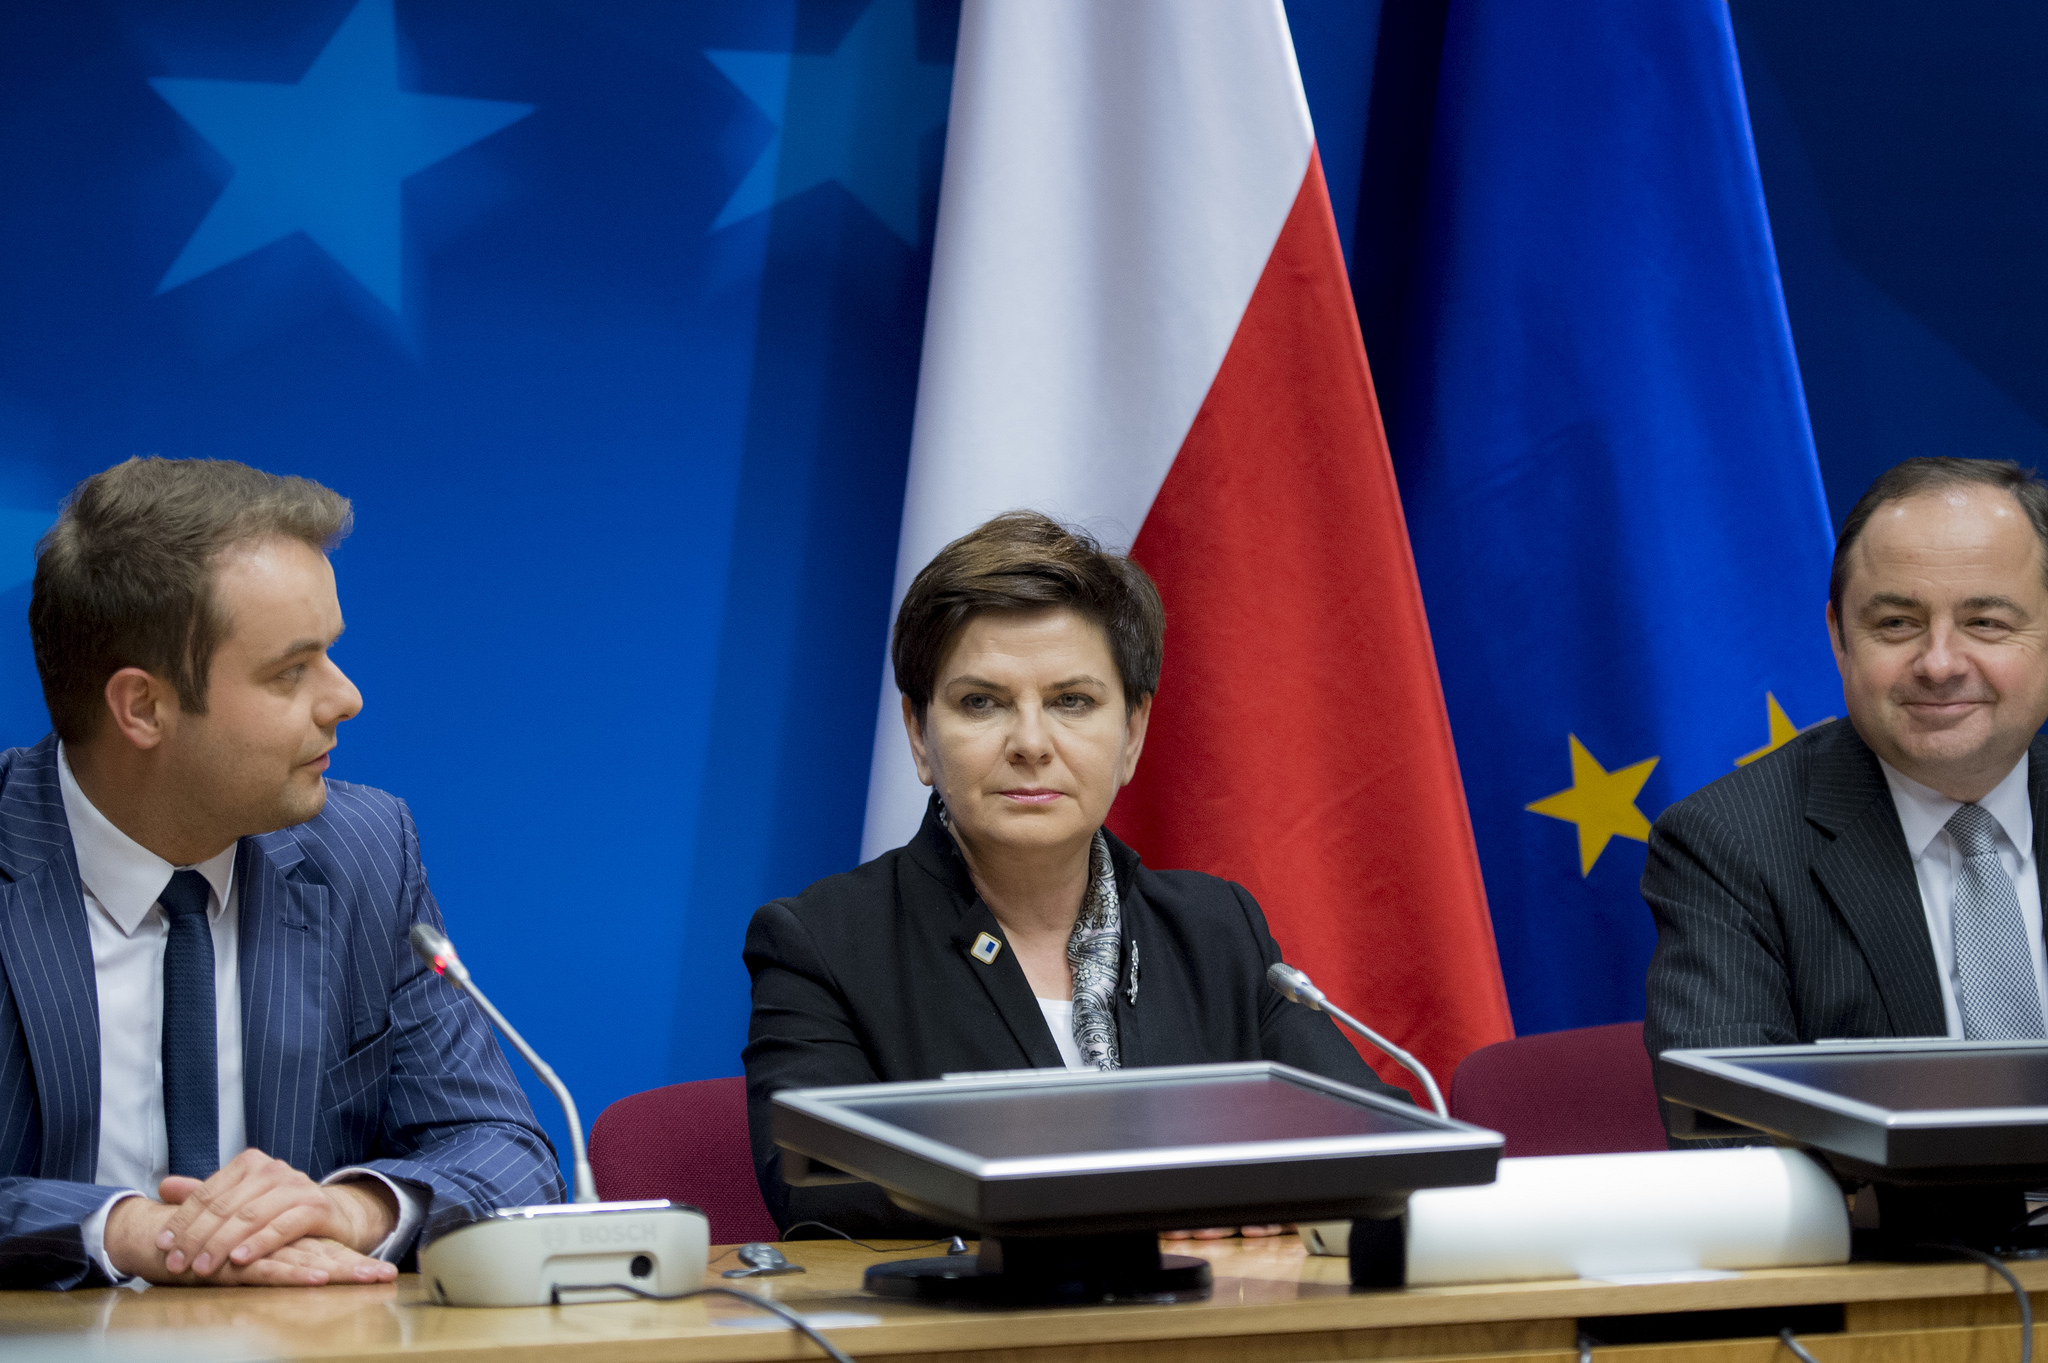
(122, 880)
(1059, 1017)
(1924, 816)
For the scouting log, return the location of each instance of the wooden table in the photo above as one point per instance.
(1271, 1304)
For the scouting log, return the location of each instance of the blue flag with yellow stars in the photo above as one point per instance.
(1597, 422)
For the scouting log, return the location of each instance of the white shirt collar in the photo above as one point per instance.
(1924, 813)
(122, 874)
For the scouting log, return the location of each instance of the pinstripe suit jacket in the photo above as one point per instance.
(1787, 908)
(353, 1053)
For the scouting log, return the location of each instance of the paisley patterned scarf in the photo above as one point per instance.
(1095, 951)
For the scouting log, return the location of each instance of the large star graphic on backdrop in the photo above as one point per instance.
(1782, 730)
(325, 156)
(1601, 802)
(856, 116)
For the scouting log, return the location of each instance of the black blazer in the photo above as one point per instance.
(1787, 909)
(865, 977)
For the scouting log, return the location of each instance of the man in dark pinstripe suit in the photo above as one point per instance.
(219, 1060)
(1883, 877)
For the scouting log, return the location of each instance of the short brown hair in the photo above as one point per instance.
(1026, 561)
(125, 576)
(1915, 476)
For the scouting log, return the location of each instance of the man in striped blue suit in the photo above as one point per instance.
(219, 1060)
(1885, 876)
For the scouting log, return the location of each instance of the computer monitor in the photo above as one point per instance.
(1950, 1133)
(1026, 1158)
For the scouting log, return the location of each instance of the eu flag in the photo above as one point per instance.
(1596, 418)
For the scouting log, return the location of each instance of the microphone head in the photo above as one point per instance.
(431, 945)
(1293, 985)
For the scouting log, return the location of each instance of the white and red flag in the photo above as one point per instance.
(1139, 323)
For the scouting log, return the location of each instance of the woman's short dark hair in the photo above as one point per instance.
(125, 576)
(1026, 561)
(1912, 477)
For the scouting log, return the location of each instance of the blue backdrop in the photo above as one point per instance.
(1901, 161)
(607, 316)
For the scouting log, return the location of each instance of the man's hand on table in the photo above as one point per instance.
(256, 1221)
(1225, 1232)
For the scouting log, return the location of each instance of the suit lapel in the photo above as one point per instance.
(1137, 917)
(283, 961)
(1008, 991)
(1867, 873)
(46, 948)
(937, 882)
(48, 952)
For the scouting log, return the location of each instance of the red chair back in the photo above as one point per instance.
(1582, 1092)
(688, 1143)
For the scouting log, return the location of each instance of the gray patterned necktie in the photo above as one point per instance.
(1995, 989)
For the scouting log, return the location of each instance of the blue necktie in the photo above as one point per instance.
(191, 1056)
(1995, 989)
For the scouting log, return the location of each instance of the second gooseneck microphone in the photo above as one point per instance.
(1298, 988)
(433, 947)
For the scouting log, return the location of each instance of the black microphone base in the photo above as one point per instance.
(1907, 1224)
(1379, 1251)
(1053, 1270)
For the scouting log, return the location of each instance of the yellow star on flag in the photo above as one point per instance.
(1601, 802)
(1783, 730)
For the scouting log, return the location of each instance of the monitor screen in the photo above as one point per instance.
(1050, 1152)
(1936, 1079)
(1169, 1113)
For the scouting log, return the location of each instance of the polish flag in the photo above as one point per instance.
(1139, 323)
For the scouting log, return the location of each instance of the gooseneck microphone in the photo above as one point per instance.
(1298, 988)
(585, 1250)
(433, 947)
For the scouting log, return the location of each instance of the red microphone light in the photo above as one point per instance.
(438, 953)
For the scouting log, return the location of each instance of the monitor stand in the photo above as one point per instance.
(1905, 1222)
(1052, 1270)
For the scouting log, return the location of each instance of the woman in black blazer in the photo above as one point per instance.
(1014, 930)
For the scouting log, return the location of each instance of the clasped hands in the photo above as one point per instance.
(258, 1221)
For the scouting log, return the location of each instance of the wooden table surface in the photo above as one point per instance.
(1271, 1304)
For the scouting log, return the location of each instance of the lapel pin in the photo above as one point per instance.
(986, 949)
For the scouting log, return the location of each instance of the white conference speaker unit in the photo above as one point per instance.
(582, 1251)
